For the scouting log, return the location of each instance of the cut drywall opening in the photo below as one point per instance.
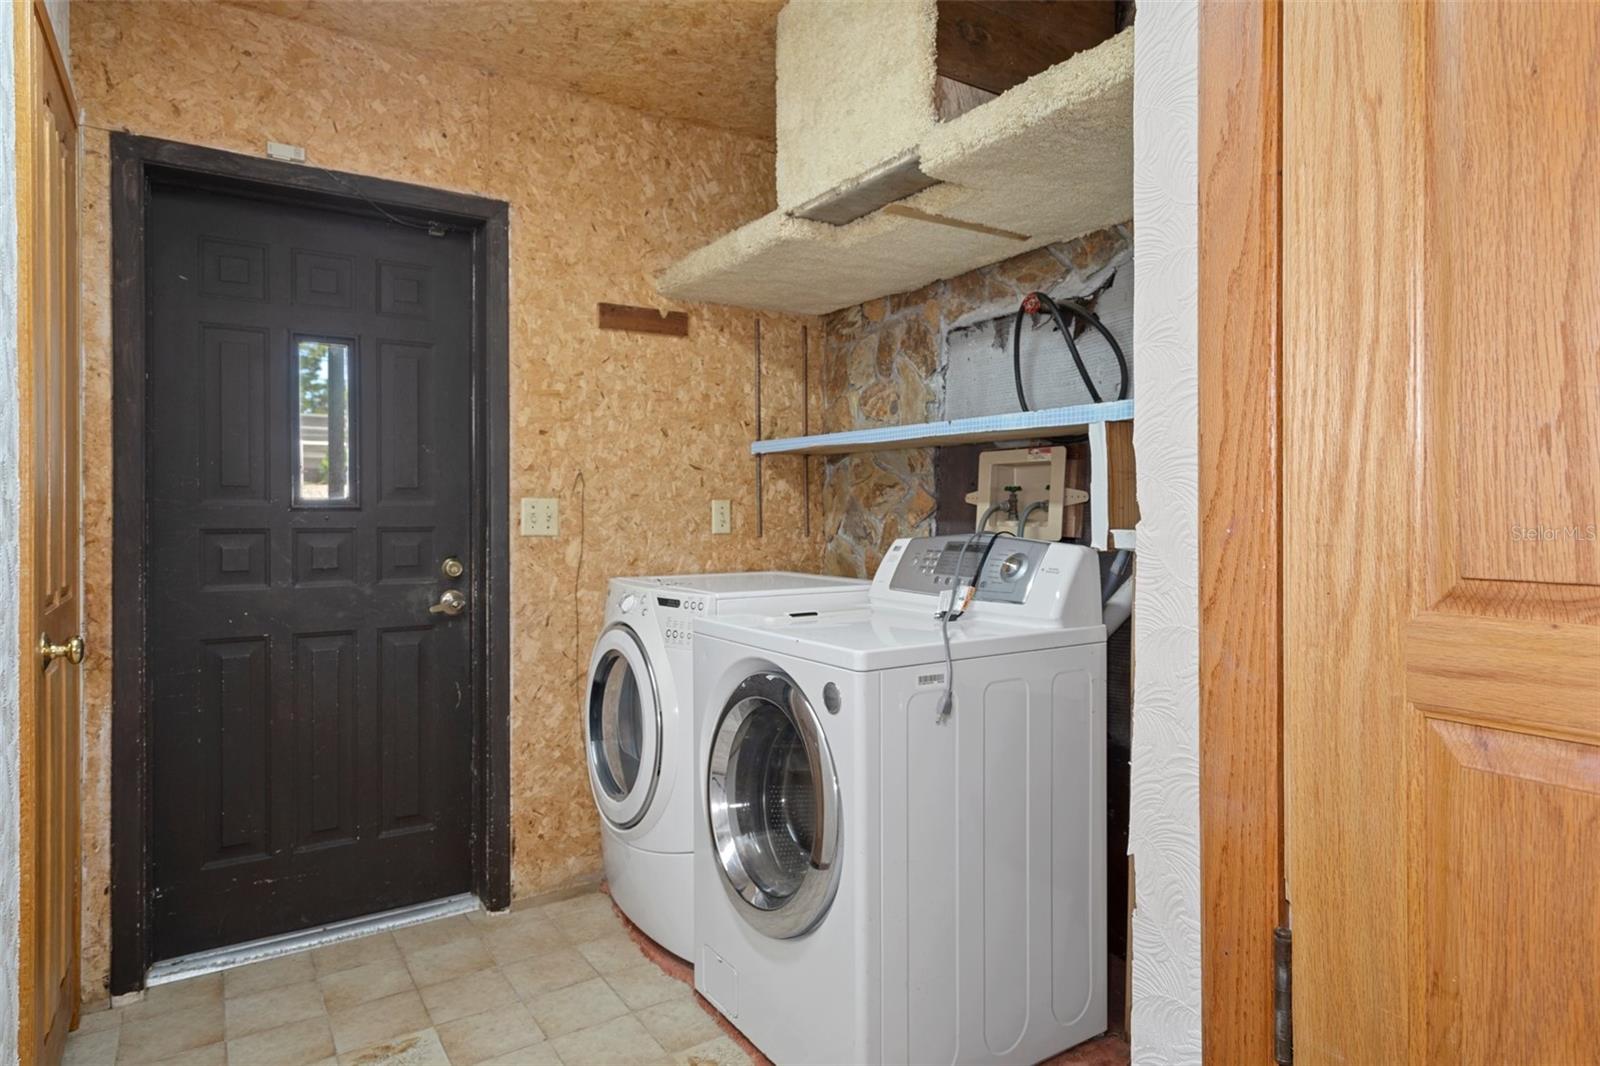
(985, 47)
(980, 376)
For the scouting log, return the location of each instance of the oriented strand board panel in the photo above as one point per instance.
(601, 197)
(704, 61)
(855, 89)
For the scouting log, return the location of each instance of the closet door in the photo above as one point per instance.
(1441, 464)
(48, 391)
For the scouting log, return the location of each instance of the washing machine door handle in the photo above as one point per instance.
(825, 843)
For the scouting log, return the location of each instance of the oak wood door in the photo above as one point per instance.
(1441, 470)
(308, 478)
(51, 545)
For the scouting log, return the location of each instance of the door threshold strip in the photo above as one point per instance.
(272, 947)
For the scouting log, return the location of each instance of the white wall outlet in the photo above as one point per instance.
(722, 516)
(289, 153)
(540, 516)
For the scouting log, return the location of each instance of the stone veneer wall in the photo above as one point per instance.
(883, 363)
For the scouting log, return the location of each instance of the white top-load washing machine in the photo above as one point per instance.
(639, 727)
(876, 882)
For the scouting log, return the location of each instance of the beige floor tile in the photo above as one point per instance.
(474, 1039)
(585, 924)
(365, 983)
(594, 902)
(94, 1021)
(180, 995)
(273, 1008)
(611, 954)
(548, 972)
(645, 985)
(432, 934)
(378, 1021)
(296, 1044)
(719, 1052)
(348, 954)
(95, 1048)
(472, 994)
(678, 1024)
(157, 1039)
(575, 1007)
(522, 936)
(538, 1055)
(621, 1042)
(445, 962)
(210, 1055)
(421, 1048)
(271, 973)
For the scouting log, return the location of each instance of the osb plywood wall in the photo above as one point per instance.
(634, 434)
(884, 362)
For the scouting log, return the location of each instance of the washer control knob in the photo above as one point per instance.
(628, 602)
(1013, 566)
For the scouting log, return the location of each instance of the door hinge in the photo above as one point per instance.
(1282, 999)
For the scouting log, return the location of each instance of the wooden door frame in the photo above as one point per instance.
(134, 161)
(1241, 713)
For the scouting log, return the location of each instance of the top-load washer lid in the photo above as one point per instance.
(760, 583)
(623, 733)
(880, 638)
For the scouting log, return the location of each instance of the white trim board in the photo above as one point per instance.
(1164, 830)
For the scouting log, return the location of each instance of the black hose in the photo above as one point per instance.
(1040, 300)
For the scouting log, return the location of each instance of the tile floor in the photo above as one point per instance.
(550, 984)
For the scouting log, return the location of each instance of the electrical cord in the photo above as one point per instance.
(1035, 302)
(947, 701)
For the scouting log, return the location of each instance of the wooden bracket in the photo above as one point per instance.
(644, 320)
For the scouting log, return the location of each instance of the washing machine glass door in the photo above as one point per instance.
(772, 798)
(624, 727)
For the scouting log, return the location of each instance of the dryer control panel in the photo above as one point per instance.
(677, 615)
(930, 565)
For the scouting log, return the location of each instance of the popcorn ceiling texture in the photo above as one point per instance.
(10, 531)
(855, 89)
(1051, 159)
(884, 363)
(1164, 829)
(633, 434)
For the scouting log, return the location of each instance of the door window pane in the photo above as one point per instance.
(324, 468)
(774, 802)
(616, 725)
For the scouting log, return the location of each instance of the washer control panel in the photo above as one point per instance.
(931, 565)
(678, 613)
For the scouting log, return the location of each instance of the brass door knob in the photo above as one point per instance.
(72, 650)
(451, 603)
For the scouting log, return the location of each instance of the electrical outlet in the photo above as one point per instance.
(722, 516)
(540, 516)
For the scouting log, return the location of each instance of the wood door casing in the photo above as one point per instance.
(1241, 753)
(1441, 240)
(48, 394)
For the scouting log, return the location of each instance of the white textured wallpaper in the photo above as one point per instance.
(1165, 814)
(10, 488)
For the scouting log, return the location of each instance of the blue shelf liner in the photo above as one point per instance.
(1047, 422)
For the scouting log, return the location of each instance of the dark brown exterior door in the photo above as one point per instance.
(308, 476)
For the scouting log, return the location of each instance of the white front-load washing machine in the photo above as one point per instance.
(639, 728)
(878, 882)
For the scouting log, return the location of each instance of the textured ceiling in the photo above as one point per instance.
(706, 61)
